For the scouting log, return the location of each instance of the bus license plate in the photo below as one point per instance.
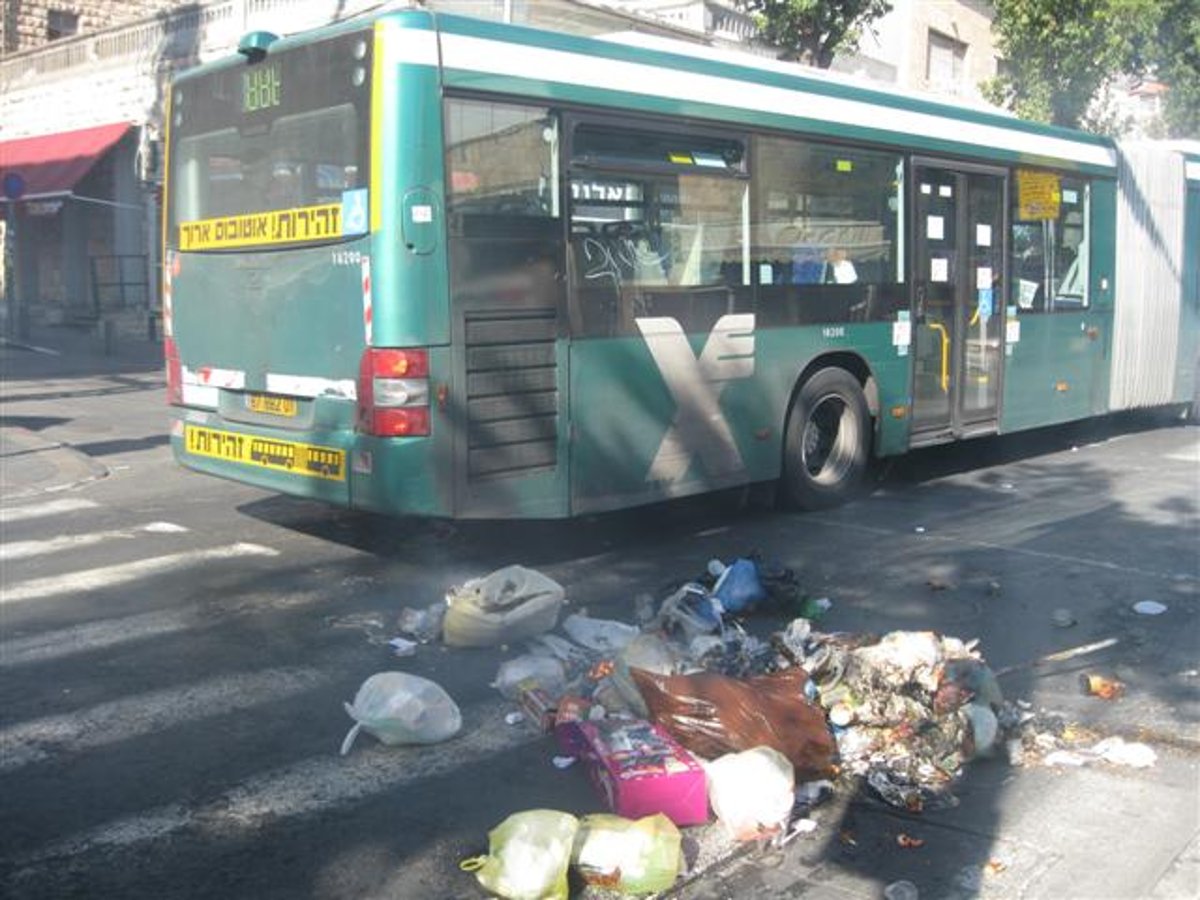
(268, 453)
(275, 406)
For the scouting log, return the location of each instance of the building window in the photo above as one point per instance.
(945, 62)
(61, 23)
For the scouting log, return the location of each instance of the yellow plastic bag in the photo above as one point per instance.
(631, 856)
(528, 855)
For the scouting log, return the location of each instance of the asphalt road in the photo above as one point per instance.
(176, 650)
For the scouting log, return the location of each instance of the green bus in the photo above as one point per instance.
(432, 265)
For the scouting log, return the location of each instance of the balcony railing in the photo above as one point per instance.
(180, 36)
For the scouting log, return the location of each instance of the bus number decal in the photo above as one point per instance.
(699, 427)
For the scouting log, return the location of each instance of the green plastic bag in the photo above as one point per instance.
(631, 856)
(528, 855)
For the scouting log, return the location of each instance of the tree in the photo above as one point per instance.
(814, 31)
(1174, 59)
(1059, 53)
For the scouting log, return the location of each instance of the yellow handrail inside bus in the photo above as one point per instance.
(941, 329)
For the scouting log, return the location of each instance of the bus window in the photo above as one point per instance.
(502, 199)
(658, 228)
(1050, 238)
(827, 232)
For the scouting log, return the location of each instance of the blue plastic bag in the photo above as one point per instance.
(739, 588)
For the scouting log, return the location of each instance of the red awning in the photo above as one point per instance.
(52, 164)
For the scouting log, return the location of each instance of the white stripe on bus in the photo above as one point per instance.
(25, 549)
(475, 54)
(200, 395)
(311, 386)
(52, 508)
(232, 379)
(483, 55)
(1192, 170)
(123, 573)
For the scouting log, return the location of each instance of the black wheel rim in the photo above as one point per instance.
(829, 442)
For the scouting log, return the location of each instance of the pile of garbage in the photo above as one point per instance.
(685, 716)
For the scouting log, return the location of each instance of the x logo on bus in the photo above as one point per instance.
(696, 382)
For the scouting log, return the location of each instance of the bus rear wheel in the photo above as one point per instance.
(828, 440)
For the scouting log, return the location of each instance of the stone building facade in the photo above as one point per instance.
(29, 24)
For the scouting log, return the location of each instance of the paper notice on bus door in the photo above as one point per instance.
(939, 270)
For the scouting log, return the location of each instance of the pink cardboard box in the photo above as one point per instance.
(639, 771)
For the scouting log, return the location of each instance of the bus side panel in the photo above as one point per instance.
(1187, 380)
(1102, 279)
(635, 441)
(409, 266)
(1048, 377)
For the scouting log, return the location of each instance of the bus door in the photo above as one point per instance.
(506, 285)
(958, 309)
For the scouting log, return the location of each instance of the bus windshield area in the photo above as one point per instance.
(306, 159)
(272, 152)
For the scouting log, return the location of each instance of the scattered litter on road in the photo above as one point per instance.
(1100, 686)
(510, 604)
(400, 708)
(423, 625)
(528, 856)
(1114, 750)
(370, 624)
(603, 635)
(687, 714)
(901, 890)
(1149, 608)
(752, 793)
(641, 856)
(1063, 618)
(402, 646)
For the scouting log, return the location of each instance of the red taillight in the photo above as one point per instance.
(393, 392)
(174, 372)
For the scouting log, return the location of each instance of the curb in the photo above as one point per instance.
(31, 465)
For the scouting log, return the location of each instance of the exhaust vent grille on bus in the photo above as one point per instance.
(512, 393)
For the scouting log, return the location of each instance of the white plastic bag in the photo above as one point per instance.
(752, 792)
(510, 604)
(399, 708)
(603, 635)
(647, 651)
(532, 670)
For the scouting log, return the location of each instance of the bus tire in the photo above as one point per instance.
(828, 440)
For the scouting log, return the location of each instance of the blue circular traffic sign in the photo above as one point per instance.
(14, 185)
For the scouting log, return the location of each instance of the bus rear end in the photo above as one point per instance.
(267, 283)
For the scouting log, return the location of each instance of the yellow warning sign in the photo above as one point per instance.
(279, 226)
(1039, 195)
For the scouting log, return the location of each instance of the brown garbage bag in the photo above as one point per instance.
(712, 714)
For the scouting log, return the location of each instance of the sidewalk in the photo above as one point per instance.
(65, 360)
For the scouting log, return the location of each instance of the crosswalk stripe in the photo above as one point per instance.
(40, 510)
(123, 573)
(26, 549)
(92, 636)
(81, 730)
(307, 787)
